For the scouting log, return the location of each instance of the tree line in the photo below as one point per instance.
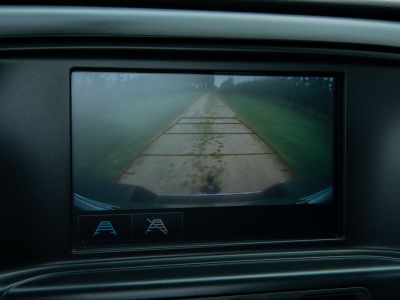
(313, 95)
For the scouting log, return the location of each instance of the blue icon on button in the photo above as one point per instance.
(105, 226)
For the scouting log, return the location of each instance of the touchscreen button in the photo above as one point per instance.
(104, 228)
(157, 226)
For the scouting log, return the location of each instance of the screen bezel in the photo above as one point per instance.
(337, 207)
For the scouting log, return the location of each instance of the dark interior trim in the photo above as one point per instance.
(46, 21)
(369, 9)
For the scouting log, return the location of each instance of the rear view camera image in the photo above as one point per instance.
(165, 140)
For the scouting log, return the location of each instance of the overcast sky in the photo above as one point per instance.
(219, 79)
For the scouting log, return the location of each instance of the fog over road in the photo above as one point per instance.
(207, 140)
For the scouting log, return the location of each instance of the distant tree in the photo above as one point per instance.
(227, 85)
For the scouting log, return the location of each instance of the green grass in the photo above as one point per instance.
(304, 141)
(106, 141)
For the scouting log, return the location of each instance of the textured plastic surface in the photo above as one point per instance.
(35, 222)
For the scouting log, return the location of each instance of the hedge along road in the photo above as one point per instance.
(207, 145)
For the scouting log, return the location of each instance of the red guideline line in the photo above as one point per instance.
(207, 118)
(207, 154)
(212, 123)
(209, 133)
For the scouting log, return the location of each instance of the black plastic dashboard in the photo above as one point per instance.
(40, 46)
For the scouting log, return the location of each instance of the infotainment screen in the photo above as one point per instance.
(164, 155)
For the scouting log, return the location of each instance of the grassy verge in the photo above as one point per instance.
(304, 141)
(105, 142)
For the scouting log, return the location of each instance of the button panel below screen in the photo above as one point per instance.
(125, 228)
